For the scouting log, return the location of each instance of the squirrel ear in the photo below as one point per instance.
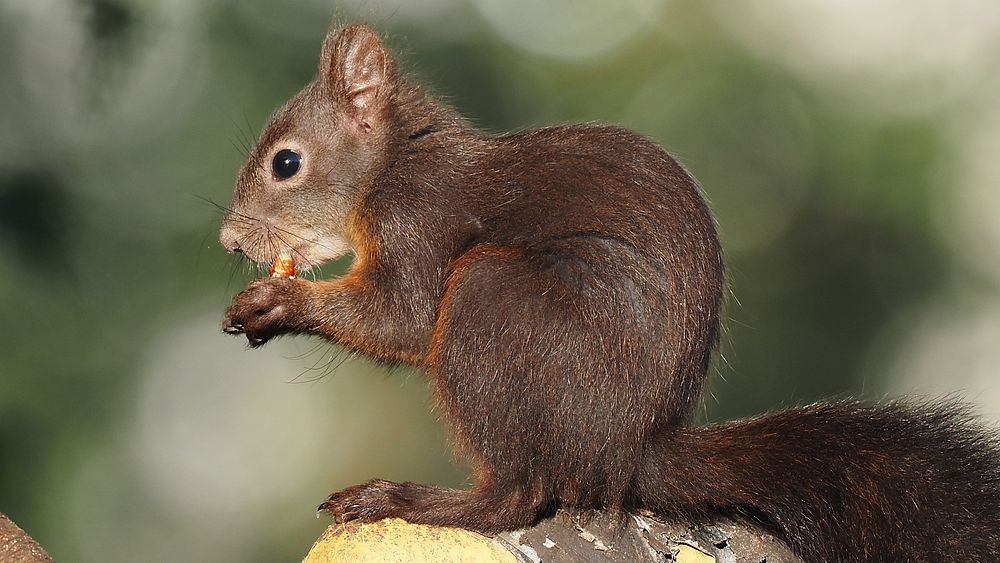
(356, 69)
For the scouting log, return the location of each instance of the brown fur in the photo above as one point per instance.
(562, 288)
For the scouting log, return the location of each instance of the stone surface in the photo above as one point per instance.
(395, 540)
(564, 538)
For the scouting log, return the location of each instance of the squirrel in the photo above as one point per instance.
(562, 290)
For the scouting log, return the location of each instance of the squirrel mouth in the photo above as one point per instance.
(283, 266)
(302, 258)
(290, 263)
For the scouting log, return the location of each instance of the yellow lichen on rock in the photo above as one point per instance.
(688, 554)
(394, 540)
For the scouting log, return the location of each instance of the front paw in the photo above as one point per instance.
(371, 501)
(266, 308)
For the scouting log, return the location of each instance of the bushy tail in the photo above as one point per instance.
(841, 481)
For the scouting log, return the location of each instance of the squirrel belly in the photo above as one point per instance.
(562, 290)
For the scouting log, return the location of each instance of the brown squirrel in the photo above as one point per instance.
(562, 290)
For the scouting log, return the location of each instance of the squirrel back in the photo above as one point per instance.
(562, 290)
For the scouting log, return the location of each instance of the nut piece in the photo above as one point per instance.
(283, 267)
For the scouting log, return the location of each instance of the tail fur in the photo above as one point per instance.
(841, 481)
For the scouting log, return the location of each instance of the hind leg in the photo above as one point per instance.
(548, 404)
(486, 419)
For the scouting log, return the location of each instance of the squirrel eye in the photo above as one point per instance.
(286, 163)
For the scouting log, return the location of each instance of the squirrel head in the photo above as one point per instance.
(317, 156)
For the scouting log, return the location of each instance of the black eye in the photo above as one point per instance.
(286, 163)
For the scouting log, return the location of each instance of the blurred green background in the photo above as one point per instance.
(850, 150)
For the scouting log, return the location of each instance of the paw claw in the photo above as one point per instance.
(266, 308)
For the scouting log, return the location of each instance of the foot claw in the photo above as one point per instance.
(369, 502)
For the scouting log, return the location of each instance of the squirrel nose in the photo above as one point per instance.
(230, 242)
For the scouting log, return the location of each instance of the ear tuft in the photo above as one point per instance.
(357, 69)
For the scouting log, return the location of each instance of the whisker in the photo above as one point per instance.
(211, 202)
(350, 355)
(254, 239)
(250, 135)
(271, 249)
(225, 209)
(294, 252)
(302, 238)
(235, 261)
(335, 352)
(240, 148)
(261, 236)
(245, 137)
(337, 358)
(308, 353)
